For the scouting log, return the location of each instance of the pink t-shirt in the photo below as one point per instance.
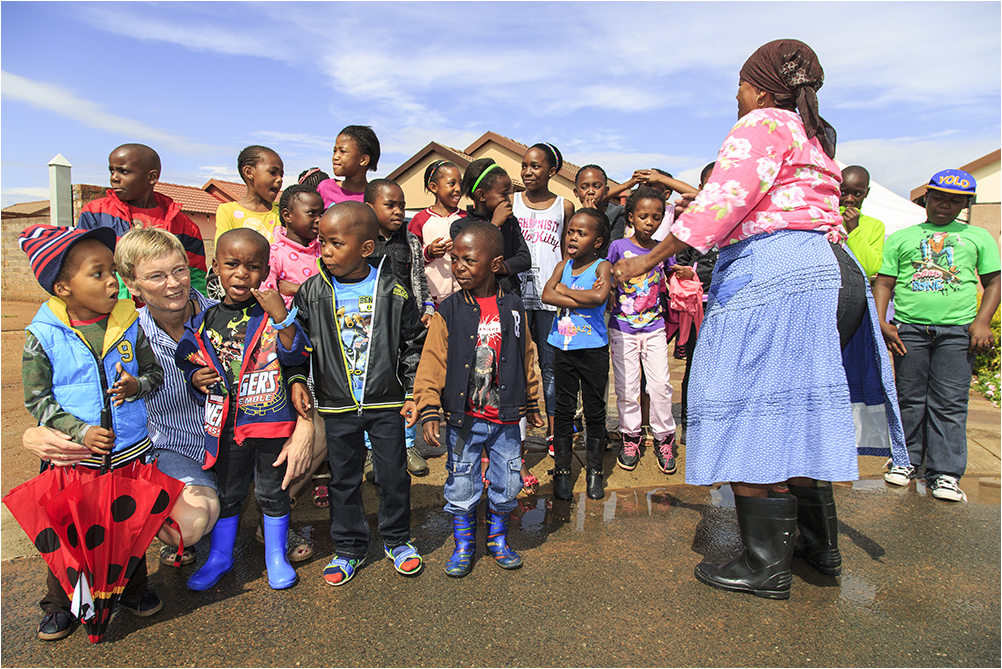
(332, 193)
(291, 262)
(768, 177)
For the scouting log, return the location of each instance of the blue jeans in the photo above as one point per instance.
(346, 454)
(540, 322)
(933, 380)
(464, 485)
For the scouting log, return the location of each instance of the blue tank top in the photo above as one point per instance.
(579, 328)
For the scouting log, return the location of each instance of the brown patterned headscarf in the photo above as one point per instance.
(789, 69)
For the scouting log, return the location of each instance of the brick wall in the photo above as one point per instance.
(19, 283)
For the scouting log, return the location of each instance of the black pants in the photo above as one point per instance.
(238, 463)
(587, 370)
(851, 297)
(346, 454)
(56, 600)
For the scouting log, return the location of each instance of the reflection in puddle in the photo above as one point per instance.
(984, 490)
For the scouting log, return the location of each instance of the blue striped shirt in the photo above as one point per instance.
(174, 419)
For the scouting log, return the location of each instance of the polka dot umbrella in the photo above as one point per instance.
(93, 529)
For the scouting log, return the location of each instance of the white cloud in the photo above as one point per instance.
(296, 139)
(620, 165)
(11, 196)
(903, 163)
(52, 98)
(222, 172)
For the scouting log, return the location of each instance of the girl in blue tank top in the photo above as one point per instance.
(580, 287)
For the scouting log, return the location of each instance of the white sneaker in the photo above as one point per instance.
(947, 487)
(898, 475)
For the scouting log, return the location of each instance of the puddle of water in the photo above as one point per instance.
(980, 490)
(855, 590)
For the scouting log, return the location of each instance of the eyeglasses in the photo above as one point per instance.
(158, 279)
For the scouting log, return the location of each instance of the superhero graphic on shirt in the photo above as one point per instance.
(355, 327)
(483, 388)
(936, 270)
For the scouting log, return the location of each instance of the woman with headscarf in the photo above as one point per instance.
(788, 341)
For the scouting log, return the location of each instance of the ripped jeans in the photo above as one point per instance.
(464, 486)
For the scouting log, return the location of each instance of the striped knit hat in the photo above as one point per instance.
(48, 245)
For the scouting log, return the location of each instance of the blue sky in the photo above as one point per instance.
(912, 88)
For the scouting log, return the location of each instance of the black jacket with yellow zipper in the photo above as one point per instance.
(395, 340)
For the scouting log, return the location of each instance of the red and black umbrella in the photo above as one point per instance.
(93, 529)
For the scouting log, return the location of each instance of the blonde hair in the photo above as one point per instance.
(141, 244)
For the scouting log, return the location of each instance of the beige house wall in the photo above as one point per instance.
(512, 164)
(18, 281)
(989, 180)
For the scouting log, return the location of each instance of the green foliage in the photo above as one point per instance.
(986, 366)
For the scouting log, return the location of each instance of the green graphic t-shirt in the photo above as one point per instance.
(937, 269)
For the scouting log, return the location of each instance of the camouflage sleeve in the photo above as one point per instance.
(36, 377)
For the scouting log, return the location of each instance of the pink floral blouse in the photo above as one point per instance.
(768, 177)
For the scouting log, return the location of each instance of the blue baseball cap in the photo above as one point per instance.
(953, 181)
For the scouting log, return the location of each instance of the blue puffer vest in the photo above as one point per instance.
(80, 378)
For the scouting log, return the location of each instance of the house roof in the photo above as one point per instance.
(567, 170)
(461, 159)
(191, 198)
(987, 159)
(22, 209)
(227, 189)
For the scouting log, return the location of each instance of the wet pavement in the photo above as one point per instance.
(605, 583)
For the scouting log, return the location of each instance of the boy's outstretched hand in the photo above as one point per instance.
(99, 440)
(431, 433)
(125, 386)
(409, 412)
(536, 420)
(204, 379)
(271, 301)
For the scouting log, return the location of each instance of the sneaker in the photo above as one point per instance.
(898, 475)
(549, 446)
(665, 451)
(416, 465)
(948, 488)
(629, 454)
(56, 625)
(367, 470)
(146, 604)
(340, 570)
(406, 559)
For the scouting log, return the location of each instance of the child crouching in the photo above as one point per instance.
(482, 326)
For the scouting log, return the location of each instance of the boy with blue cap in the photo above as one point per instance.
(933, 269)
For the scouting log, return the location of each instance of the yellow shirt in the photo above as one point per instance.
(231, 215)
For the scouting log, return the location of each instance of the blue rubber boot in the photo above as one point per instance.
(497, 544)
(220, 560)
(464, 531)
(281, 575)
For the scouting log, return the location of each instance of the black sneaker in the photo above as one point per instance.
(665, 450)
(629, 454)
(56, 625)
(145, 605)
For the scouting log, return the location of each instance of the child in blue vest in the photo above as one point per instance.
(86, 367)
(580, 287)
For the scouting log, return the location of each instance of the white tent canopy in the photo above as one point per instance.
(895, 211)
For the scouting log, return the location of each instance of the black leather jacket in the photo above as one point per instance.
(395, 342)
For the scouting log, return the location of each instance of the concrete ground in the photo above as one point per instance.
(605, 583)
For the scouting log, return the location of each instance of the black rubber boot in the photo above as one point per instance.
(562, 468)
(595, 451)
(818, 525)
(767, 526)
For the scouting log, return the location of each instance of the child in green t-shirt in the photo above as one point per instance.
(933, 269)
